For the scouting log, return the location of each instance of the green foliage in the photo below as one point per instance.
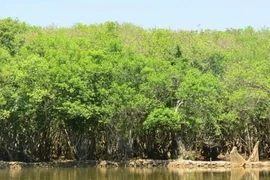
(117, 90)
(10, 31)
(162, 119)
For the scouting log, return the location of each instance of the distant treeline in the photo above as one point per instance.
(114, 91)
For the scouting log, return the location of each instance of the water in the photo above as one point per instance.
(132, 174)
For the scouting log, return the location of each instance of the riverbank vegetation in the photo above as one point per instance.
(118, 91)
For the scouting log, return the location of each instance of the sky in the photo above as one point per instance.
(170, 14)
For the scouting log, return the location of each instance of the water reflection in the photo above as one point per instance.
(248, 174)
(134, 174)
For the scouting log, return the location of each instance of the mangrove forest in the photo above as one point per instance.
(119, 91)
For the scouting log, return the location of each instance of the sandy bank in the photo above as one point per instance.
(138, 163)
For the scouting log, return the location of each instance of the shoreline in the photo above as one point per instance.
(138, 163)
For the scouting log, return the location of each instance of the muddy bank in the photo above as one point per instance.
(138, 163)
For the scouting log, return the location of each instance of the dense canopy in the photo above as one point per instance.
(114, 91)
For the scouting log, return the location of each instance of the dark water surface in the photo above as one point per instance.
(132, 174)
